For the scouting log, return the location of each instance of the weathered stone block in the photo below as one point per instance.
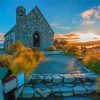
(57, 79)
(55, 89)
(28, 79)
(47, 79)
(66, 91)
(79, 90)
(68, 85)
(44, 91)
(69, 79)
(27, 92)
(37, 78)
(18, 92)
(39, 85)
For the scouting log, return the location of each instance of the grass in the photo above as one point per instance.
(21, 59)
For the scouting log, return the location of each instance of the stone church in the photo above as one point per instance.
(31, 29)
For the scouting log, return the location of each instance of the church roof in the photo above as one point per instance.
(11, 30)
(34, 10)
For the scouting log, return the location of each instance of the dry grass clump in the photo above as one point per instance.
(52, 48)
(22, 59)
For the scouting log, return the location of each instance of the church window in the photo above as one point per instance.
(21, 13)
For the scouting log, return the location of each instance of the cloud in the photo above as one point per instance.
(56, 25)
(88, 22)
(89, 16)
(78, 37)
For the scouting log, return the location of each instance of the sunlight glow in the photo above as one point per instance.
(84, 37)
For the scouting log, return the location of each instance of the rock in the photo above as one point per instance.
(79, 89)
(55, 89)
(57, 94)
(18, 92)
(94, 87)
(39, 85)
(69, 79)
(37, 95)
(27, 92)
(37, 78)
(44, 91)
(77, 81)
(68, 85)
(88, 83)
(28, 79)
(89, 89)
(83, 79)
(47, 79)
(57, 79)
(66, 91)
(91, 77)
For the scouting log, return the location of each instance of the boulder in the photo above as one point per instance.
(55, 89)
(69, 79)
(47, 79)
(36, 94)
(28, 79)
(57, 79)
(89, 89)
(18, 92)
(27, 92)
(91, 77)
(44, 92)
(66, 91)
(37, 78)
(79, 89)
(39, 85)
(68, 85)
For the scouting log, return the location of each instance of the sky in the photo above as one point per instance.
(64, 16)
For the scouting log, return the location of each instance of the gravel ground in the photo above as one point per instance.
(59, 64)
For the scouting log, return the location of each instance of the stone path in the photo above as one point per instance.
(59, 64)
(57, 85)
(58, 76)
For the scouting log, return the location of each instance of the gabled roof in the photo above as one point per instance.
(34, 10)
(11, 30)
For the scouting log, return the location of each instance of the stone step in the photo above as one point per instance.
(44, 90)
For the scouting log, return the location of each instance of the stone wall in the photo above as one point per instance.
(51, 85)
(31, 23)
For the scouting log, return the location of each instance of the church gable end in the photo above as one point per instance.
(33, 29)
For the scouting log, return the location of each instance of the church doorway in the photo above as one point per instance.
(36, 39)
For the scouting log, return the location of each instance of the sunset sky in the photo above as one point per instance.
(64, 16)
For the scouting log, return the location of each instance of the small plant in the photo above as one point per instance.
(21, 59)
(52, 48)
(59, 47)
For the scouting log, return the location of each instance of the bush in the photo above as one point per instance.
(5, 60)
(52, 48)
(22, 59)
(92, 61)
(59, 47)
